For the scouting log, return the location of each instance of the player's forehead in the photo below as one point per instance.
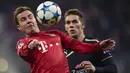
(72, 17)
(24, 14)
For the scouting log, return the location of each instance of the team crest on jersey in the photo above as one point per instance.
(20, 45)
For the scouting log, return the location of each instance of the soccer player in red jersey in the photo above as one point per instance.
(43, 50)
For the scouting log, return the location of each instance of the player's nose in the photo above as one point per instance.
(71, 25)
(29, 20)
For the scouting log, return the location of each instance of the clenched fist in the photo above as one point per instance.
(33, 44)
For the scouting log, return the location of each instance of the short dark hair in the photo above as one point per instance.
(75, 12)
(19, 10)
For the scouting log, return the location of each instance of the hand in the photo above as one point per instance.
(107, 44)
(33, 44)
(87, 65)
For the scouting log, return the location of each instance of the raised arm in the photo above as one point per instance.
(81, 47)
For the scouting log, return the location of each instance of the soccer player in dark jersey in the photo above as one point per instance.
(101, 62)
(43, 50)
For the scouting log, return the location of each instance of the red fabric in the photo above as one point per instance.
(49, 57)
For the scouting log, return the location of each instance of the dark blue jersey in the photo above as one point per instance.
(102, 61)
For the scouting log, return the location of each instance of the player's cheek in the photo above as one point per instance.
(78, 27)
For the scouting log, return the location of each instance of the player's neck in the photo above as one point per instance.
(81, 37)
(33, 33)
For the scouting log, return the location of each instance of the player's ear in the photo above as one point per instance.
(83, 25)
(18, 26)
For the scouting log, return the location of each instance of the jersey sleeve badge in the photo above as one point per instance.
(20, 45)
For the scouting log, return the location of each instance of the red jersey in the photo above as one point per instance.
(49, 57)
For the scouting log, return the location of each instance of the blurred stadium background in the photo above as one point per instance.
(103, 18)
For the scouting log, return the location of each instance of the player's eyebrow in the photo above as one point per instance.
(25, 16)
(30, 15)
(22, 18)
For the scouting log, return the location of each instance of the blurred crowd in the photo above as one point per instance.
(104, 19)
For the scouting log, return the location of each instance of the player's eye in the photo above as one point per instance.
(67, 22)
(22, 19)
(30, 16)
(74, 21)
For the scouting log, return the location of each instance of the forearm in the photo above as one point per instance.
(78, 46)
(106, 69)
(85, 47)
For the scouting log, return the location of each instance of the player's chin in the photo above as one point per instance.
(74, 36)
(31, 31)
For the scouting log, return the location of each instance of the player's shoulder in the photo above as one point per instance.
(90, 39)
(58, 32)
(22, 40)
(107, 57)
(52, 31)
(20, 43)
